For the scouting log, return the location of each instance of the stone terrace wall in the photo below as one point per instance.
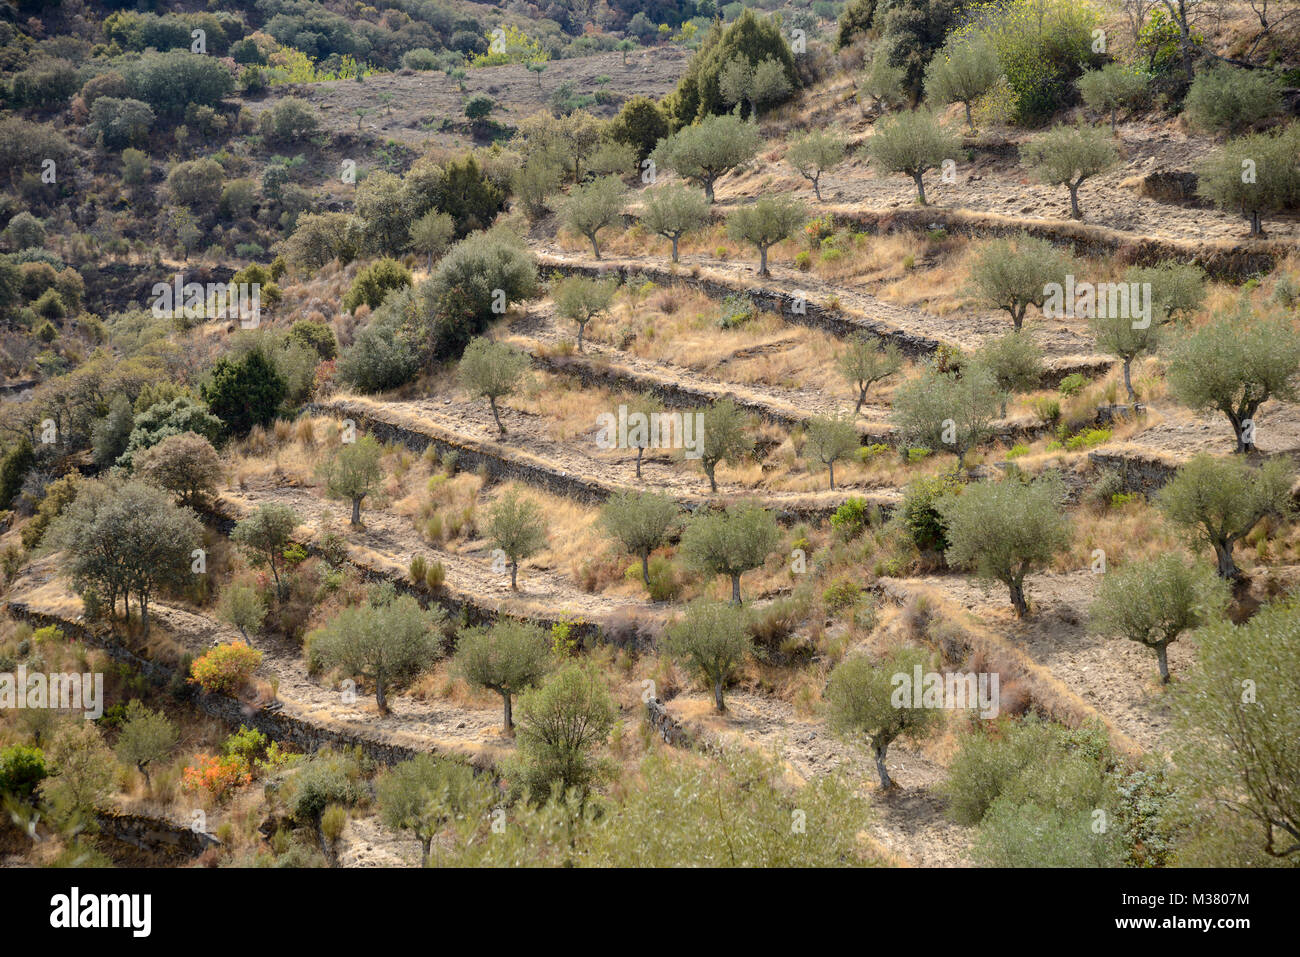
(1230, 262)
(154, 833)
(270, 719)
(782, 303)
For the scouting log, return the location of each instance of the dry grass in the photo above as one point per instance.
(679, 326)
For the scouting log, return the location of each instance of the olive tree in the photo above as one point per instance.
(1113, 87)
(1015, 361)
(962, 72)
(1121, 336)
(1015, 274)
(561, 721)
(1177, 289)
(641, 439)
(426, 794)
(506, 657)
(912, 143)
(491, 370)
(86, 769)
(1154, 602)
(829, 439)
(706, 151)
(813, 153)
(243, 607)
(1255, 175)
(594, 206)
(864, 363)
(755, 84)
(1237, 760)
(730, 542)
(939, 410)
(1234, 364)
(673, 211)
(147, 737)
(1225, 98)
(582, 299)
(641, 522)
(1004, 530)
(766, 223)
(264, 535)
(724, 438)
(388, 640)
(860, 703)
(353, 472)
(1219, 501)
(516, 526)
(769, 83)
(711, 639)
(432, 234)
(881, 83)
(1069, 155)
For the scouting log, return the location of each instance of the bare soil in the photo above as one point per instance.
(388, 541)
(996, 183)
(1117, 677)
(410, 107)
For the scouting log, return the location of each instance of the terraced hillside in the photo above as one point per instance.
(747, 441)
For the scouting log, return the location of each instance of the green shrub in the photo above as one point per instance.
(1072, 384)
(1042, 46)
(737, 309)
(840, 594)
(1087, 438)
(1228, 99)
(1103, 492)
(1047, 410)
(375, 282)
(868, 452)
(22, 769)
(918, 515)
(317, 335)
(851, 518)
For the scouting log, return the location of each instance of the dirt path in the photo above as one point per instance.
(908, 821)
(539, 330)
(429, 725)
(1065, 342)
(387, 542)
(529, 443)
(1000, 186)
(1178, 433)
(366, 842)
(1118, 678)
